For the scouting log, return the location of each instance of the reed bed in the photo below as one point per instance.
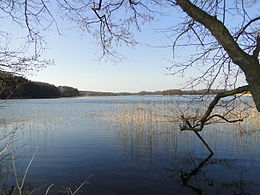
(149, 114)
(146, 128)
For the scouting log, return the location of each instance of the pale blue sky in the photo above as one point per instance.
(76, 65)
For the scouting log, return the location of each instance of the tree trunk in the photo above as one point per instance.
(253, 79)
(249, 64)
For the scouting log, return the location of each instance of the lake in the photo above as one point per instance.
(125, 145)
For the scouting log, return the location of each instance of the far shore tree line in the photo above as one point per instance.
(173, 92)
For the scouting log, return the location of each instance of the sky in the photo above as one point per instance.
(76, 61)
(77, 65)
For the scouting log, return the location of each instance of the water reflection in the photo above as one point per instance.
(186, 176)
(201, 181)
(129, 147)
(230, 171)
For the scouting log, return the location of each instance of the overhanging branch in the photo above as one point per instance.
(187, 125)
(207, 115)
(216, 100)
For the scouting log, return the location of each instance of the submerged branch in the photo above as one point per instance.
(207, 115)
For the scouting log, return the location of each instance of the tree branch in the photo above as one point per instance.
(245, 27)
(216, 100)
(99, 6)
(257, 49)
(218, 30)
(206, 117)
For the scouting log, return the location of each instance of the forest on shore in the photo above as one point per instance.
(18, 87)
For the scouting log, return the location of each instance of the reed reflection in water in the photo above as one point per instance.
(131, 145)
(149, 131)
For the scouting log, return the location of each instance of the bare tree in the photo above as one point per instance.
(224, 51)
(20, 55)
(224, 33)
(242, 52)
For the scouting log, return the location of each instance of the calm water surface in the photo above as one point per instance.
(120, 149)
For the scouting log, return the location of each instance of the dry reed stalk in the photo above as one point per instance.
(19, 185)
(148, 118)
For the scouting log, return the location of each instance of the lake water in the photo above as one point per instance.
(125, 145)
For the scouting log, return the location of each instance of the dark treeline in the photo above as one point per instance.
(12, 86)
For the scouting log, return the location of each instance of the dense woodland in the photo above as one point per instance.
(12, 86)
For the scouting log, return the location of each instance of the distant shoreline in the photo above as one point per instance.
(17, 87)
(170, 92)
